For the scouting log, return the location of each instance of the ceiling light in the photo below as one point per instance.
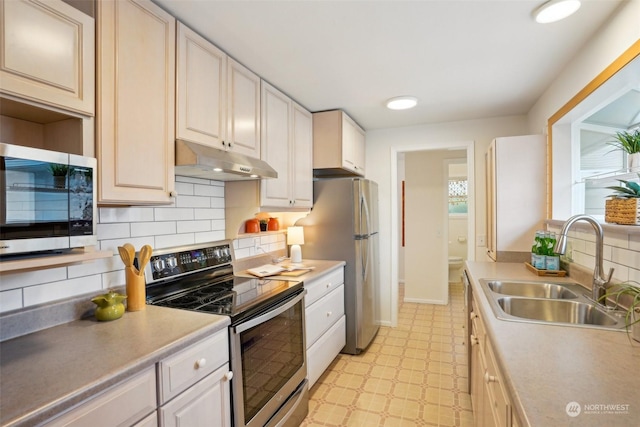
(555, 10)
(402, 103)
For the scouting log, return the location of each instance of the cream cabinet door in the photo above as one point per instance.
(352, 146)
(276, 111)
(48, 54)
(207, 403)
(243, 110)
(136, 102)
(302, 166)
(201, 90)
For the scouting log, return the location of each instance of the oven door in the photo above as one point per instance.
(268, 359)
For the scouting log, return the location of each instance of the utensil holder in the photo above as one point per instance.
(136, 292)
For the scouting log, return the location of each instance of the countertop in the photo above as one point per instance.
(320, 267)
(547, 367)
(47, 372)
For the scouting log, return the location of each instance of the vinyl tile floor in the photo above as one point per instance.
(412, 375)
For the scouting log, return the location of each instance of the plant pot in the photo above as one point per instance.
(59, 181)
(633, 161)
(622, 211)
(263, 226)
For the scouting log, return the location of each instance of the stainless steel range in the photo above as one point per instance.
(266, 335)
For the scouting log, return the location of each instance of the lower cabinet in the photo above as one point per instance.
(192, 389)
(490, 400)
(325, 322)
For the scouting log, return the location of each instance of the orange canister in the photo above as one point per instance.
(273, 224)
(252, 226)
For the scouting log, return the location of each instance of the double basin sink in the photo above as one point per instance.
(549, 303)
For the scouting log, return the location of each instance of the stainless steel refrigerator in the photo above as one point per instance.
(343, 225)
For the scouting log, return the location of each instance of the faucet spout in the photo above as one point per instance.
(599, 279)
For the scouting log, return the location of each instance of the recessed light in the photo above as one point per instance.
(555, 10)
(402, 103)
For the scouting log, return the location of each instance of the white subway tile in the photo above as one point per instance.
(208, 190)
(10, 300)
(218, 225)
(192, 202)
(29, 278)
(192, 180)
(616, 239)
(173, 214)
(205, 213)
(156, 228)
(634, 274)
(217, 203)
(113, 230)
(59, 290)
(626, 257)
(137, 242)
(193, 226)
(185, 189)
(211, 236)
(620, 272)
(171, 240)
(243, 253)
(634, 242)
(125, 214)
(113, 279)
(103, 265)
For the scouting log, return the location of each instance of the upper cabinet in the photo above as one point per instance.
(48, 54)
(218, 99)
(136, 102)
(515, 168)
(338, 145)
(287, 141)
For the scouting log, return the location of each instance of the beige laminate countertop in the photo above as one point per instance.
(320, 267)
(546, 367)
(47, 372)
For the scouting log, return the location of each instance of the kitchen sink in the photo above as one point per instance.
(548, 310)
(541, 302)
(533, 289)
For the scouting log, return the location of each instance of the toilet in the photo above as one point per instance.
(455, 264)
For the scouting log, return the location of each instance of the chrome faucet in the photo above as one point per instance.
(599, 280)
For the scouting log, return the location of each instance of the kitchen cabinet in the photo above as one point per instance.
(136, 102)
(325, 321)
(287, 142)
(516, 197)
(126, 403)
(54, 65)
(194, 387)
(218, 99)
(338, 145)
(490, 401)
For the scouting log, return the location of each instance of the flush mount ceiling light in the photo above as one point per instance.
(555, 10)
(402, 103)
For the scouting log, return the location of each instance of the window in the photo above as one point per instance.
(458, 196)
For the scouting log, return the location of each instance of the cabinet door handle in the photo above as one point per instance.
(489, 378)
(473, 315)
(201, 363)
(328, 285)
(474, 340)
(329, 313)
(228, 376)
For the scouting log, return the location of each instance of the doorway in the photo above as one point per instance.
(440, 264)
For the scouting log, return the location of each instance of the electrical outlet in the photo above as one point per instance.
(481, 241)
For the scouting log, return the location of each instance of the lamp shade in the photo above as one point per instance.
(295, 236)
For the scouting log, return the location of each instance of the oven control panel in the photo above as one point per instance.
(169, 263)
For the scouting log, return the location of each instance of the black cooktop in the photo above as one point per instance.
(200, 278)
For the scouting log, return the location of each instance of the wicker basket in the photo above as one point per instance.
(622, 211)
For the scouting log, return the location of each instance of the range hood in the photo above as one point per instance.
(200, 161)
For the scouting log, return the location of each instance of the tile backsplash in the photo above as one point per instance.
(621, 251)
(197, 216)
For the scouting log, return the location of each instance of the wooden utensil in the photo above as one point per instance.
(124, 256)
(143, 258)
(132, 252)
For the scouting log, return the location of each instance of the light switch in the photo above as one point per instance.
(481, 241)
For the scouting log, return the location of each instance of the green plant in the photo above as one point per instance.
(627, 141)
(629, 293)
(58, 170)
(631, 190)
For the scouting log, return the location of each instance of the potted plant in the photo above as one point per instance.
(627, 293)
(629, 142)
(623, 207)
(263, 224)
(59, 173)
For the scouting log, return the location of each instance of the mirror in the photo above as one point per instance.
(579, 134)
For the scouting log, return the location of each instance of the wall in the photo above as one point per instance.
(622, 250)
(383, 143)
(197, 216)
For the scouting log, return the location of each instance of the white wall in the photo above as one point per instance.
(382, 144)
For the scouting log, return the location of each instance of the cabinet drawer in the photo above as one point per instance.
(323, 313)
(122, 405)
(320, 286)
(180, 371)
(321, 354)
(497, 394)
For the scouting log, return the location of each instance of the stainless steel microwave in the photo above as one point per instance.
(47, 200)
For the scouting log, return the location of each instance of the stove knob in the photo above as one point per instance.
(172, 262)
(158, 264)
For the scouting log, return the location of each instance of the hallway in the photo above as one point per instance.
(412, 375)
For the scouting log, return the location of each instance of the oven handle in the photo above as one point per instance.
(274, 312)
